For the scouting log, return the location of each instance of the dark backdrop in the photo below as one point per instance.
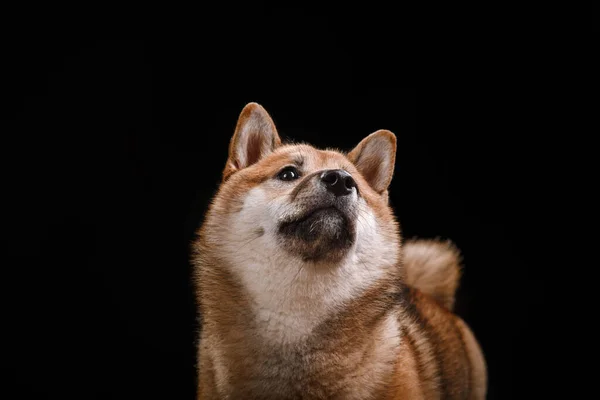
(113, 148)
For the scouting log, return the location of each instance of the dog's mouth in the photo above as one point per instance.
(318, 233)
(324, 215)
(316, 212)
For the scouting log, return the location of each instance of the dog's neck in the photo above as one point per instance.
(295, 298)
(289, 297)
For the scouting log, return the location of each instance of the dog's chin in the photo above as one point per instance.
(323, 234)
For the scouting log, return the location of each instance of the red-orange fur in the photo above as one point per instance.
(434, 355)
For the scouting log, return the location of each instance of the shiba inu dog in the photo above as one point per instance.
(306, 289)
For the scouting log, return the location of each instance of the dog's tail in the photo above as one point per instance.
(433, 267)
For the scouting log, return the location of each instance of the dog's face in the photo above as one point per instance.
(313, 205)
(305, 200)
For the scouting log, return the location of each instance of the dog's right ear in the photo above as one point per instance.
(255, 136)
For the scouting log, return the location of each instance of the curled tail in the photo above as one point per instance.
(433, 267)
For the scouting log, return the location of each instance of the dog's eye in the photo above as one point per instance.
(288, 174)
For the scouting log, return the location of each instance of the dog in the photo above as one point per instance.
(306, 289)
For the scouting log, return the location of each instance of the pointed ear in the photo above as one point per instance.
(374, 157)
(255, 136)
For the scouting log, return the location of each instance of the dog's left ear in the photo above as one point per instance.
(375, 157)
(255, 136)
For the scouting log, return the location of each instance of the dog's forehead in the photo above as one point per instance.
(308, 157)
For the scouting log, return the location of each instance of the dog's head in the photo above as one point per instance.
(286, 203)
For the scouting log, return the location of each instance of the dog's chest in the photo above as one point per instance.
(319, 367)
(320, 376)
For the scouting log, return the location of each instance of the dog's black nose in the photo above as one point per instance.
(338, 182)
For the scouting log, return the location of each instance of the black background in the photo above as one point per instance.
(115, 143)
